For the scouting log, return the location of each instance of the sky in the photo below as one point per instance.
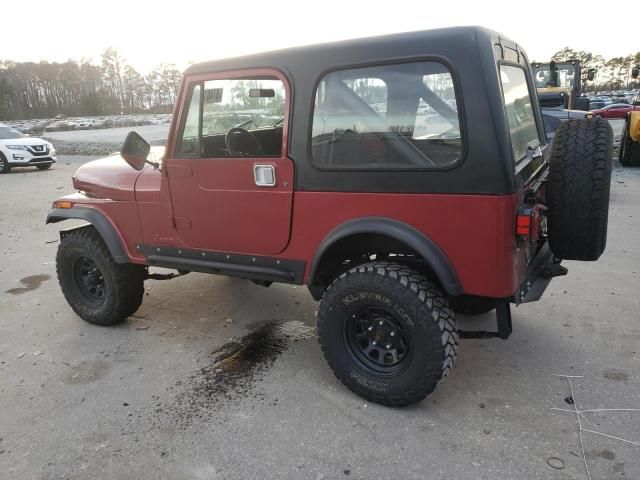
(149, 33)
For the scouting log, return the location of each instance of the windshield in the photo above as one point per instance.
(566, 75)
(7, 133)
(517, 102)
(242, 103)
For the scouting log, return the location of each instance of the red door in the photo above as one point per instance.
(232, 195)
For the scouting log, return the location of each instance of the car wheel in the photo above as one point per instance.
(44, 167)
(472, 305)
(578, 189)
(4, 165)
(99, 290)
(388, 333)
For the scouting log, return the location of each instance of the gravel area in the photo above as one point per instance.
(66, 147)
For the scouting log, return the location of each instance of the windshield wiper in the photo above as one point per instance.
(242, 124)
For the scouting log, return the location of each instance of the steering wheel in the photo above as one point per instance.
(241, 142)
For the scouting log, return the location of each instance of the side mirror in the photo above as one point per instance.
(135, 150)
(591, 74)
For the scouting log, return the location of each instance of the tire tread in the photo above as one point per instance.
(427, 293)
(127, 280)
(578, 189)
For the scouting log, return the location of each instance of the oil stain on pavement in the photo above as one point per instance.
(30, 283)
(236, 368)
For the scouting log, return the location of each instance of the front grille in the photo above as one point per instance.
(38, 150)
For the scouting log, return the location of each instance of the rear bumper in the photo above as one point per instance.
(540, 272)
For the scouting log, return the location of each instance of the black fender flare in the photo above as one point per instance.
(412, 237)
(99, 222)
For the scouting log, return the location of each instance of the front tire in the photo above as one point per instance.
(388, 333)
(4, 164)
(97, 288)
(44, 167)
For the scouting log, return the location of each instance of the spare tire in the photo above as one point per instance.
(578, 189)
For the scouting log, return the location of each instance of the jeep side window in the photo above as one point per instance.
(517, 102)
(189, 138)
(238, 117)
(389, 116)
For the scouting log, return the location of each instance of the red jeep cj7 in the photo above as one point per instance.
(402, 178)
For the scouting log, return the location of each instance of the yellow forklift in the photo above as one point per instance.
(630, 143)
(559, 84)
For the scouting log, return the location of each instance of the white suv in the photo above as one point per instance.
(19, 150)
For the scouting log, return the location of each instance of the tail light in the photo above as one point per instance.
(528, 222)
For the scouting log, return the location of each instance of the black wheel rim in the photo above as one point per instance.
(89, 280)
(377, 340)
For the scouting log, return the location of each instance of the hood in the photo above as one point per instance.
(564, 113)
(112, 177)
(108, 178)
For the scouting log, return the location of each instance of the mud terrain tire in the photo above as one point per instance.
(400, 308)
(98, 289)
(578, 189)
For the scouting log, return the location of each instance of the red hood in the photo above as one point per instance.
(109, 178)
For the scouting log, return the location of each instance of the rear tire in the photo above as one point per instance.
(578, 189)
(97, 288)
(387, 332)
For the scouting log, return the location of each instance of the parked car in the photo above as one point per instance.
(615, 110)
(60, 126)
(393, 230)
(20, 150)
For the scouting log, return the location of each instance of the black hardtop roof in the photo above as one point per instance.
(360, 50)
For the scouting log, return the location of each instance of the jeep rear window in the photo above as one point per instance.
(397, 116)
(517, 102)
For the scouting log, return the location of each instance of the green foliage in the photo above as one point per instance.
(44, 90)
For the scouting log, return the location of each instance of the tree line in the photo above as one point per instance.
(612, 74)
(46, 89)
